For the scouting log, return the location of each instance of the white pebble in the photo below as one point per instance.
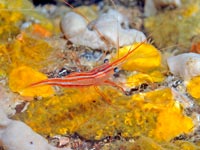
(185, 65)
(152, 6)
(108, 25)
(16, 135)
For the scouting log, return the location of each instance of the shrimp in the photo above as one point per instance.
(96, 77)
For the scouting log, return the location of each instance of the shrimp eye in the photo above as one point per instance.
(63, 72)
(116, 70)
(106, 61)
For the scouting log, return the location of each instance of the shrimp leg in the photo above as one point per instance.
(115, 85)
(102, 95)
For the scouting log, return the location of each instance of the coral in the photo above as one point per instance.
(157, 76)
(193, 88)
(24, 50)
(79, 32)
(168, 112)
(4, 59)
(145, 54)
(139, 78)
(181, 124)
(93, 118)
(28, 76)
(30, 51)
(9, 27)
(66, 117)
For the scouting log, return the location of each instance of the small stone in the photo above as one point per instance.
(186, 65)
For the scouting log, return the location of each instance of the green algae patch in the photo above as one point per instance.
(85, 112)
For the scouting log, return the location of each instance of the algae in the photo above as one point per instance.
(175, 28)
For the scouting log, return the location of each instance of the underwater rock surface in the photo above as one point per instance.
(137, 96)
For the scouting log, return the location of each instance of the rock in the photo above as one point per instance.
(101, 33)
(152, 6)
(15, 135)
(185, 65)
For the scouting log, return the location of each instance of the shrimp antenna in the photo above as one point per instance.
(115, 6)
